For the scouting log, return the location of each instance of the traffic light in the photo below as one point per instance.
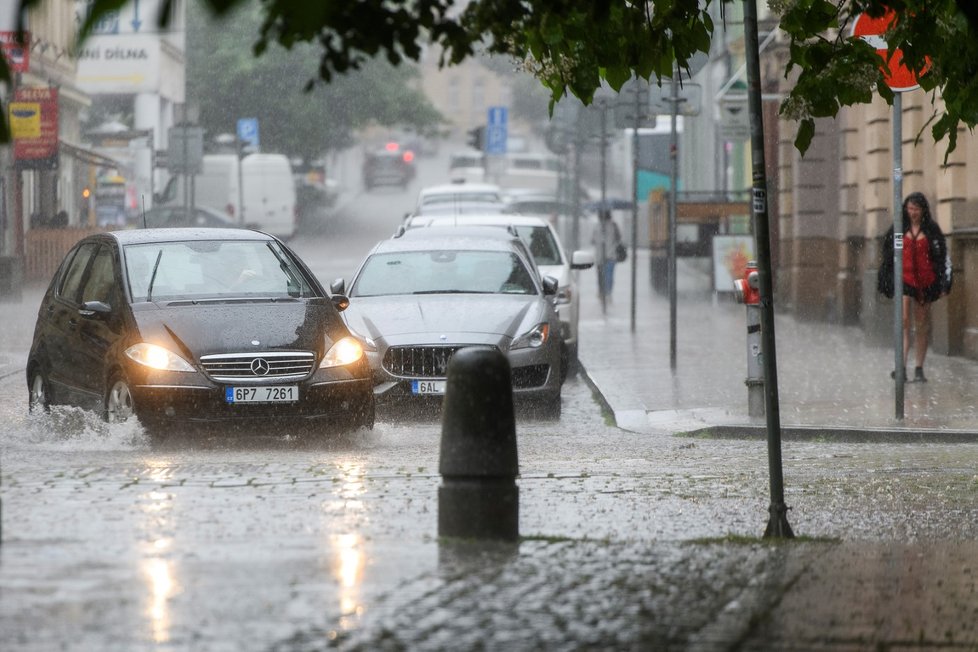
(477, 138)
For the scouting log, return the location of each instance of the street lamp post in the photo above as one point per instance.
(778, 524)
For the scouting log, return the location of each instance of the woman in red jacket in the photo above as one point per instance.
(926, 274)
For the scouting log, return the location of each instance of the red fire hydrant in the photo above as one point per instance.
(748, 293)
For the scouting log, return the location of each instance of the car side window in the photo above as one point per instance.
(71, 281)
(101, 284)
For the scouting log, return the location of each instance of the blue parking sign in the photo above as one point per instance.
(496, 129)
(248, 131)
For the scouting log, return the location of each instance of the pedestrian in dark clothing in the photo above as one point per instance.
(926, 274)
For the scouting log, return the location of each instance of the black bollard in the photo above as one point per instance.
(478, 498)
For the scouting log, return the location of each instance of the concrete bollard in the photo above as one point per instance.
(478, 464)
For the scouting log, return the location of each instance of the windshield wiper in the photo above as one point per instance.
(152, 279)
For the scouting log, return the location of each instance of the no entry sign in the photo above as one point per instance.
(898, 77)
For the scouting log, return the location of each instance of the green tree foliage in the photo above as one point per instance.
(573, 44)
(297, 117)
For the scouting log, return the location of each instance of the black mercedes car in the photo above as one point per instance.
(196, 325)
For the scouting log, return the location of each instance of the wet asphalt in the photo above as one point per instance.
(640, 530)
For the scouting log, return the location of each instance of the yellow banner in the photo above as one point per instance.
(25, 120)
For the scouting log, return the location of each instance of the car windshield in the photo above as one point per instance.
(443, 272)
(461, 197)
(212, 269)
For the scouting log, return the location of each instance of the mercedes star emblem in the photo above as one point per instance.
(259, 366)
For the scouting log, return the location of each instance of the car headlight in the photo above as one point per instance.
(533, 339)
(155, 356)
(346, 351)
(564, 295)
(367, 343)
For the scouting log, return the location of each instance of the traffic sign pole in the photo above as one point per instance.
(900, 79)
(899, 363)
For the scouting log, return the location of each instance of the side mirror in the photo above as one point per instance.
(95, 310)
(338, 286)
(340, 301)
(550, 286)
(582, 259)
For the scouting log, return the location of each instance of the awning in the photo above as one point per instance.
(87, 155)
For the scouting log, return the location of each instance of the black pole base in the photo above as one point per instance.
(778, 526)
(479, 508)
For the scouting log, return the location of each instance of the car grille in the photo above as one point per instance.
(419, 361)
(245, 367)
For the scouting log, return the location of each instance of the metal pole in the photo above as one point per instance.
(186, 169)
(638, 121)
(576, 227)
(239, 150)
(604, 147)
(673, 181)
(899, 364)
(778, 525)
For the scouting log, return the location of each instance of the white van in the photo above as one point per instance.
(269, 194)
(268, 191)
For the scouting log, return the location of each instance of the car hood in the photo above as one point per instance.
(457, 317)
(228, 327)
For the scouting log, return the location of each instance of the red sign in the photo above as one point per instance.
(898, 77)
(18, 54)
(40, 152)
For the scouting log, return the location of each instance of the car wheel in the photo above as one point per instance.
(38, 399)
(119, 406)
(365, 415)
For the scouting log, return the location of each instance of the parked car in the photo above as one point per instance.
(454, 194)
(468, 166)
(195, 325)
(544, 245)
(390, 166)
(426, 293)
(178, 216)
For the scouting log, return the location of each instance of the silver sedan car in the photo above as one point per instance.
(428, 292)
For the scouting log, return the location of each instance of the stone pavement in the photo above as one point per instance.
(569, 593)
(832, 380)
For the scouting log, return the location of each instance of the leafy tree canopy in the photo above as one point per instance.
(228, 82)
(574, 44)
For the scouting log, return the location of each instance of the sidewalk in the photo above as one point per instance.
(832, 381)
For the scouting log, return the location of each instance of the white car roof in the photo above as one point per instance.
(459, 189)
(476, 219)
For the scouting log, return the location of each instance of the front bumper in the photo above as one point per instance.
(533, 374)
(338, 400)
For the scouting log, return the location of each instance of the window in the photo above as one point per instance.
(210, 269)
(101, 285)
(71, 281)
(443, 272)
(541, 243)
